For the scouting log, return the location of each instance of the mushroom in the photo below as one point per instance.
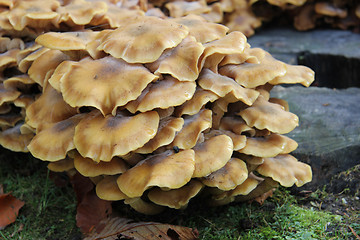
(166, 170)
(62, 165)
(107, 189)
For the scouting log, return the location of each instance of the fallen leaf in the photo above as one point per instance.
(123, 228)
(91, 210)
(9, 209)
(261, 199)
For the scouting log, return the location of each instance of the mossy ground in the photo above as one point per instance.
(49, 211)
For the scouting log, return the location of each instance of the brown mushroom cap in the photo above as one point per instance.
(107, 189)
(268, 146)
(212, 155)
(174, 91)
(80, 12)
(175, 198)
(193, 126)
(13, 140)
(8, 95)
(295, 74)
(265, 115)
(201, 29)
(180, 62)
(60, 71)
(102, 138)
(62, 165)
(21, 83)
(215, 51)
(166, 133)
(8, 59)
(48, 108)
(195, 104)
(183, 8)
(143, 207)
(88, 168)
(24, 62)
(251, 75)
(238, 140)
(243, 20)
(286, 170)
(105, 83)
(228, 177)
(236, 125)
(144, 40)
(55, 140)
(330, 9)
(167, 170)
(45, 63)
(222, 85)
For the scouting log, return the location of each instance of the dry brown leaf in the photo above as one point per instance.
(261, 199)
(9, 209)
(91, 210)
(123, 228)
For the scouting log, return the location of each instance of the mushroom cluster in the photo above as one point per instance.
(155, 112)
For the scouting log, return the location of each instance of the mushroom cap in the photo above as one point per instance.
(281, 102)
(200, 98)
(166, 170)
(201, 29)
(283, 3)
(216, 13)
(193, 126)
(295, 74)
(228, 177)
(286, 170)
(143, 207)
(55, 140)
(13, 140)
(180, 62)
(60, 71)
(10, 119)
(48, 108)
(62, 165)
(222, 85)
(45, 63)
(105, 83)
(215, 51)
(66, 41)
(236, 125)
(175, 198)
(21, 83)
(34, 14)
(8, 95)
(268, 146)
(174, 91)
(165, 135)
(107, 189)
(265, 115)
(27, 56)
(101, 138)
(251, 75)
(183, 8)
(144, 40)
(330, 9)
(243, 20)
(212, 155)
(5, 108)
(8, 59)
(88, 168)
(238, 140)
(80, 12)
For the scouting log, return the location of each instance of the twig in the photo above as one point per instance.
(353, 231)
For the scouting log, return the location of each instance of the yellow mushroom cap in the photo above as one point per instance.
(48, 108)
(201, 29)
(238, 140)
(144, 207)
(268, 146)
(14, 140)
(286, 170)
(21, 83)
(166, 170)
(8, 95)
(105, 83)
(107, 189)
(212, 155)
(55, 140)
(265, 115)
(144, 40)
(295, 74)
(174, 91)
(101, 138)
(236, 125)
(62, 165)
(193, 126)
(228, 177)
(196, 103)
(222, 85)
(251, 75)
(88, 168)
(180, 62)
(60, 71)
(166, 133)
(183, 8)
(175, 198)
